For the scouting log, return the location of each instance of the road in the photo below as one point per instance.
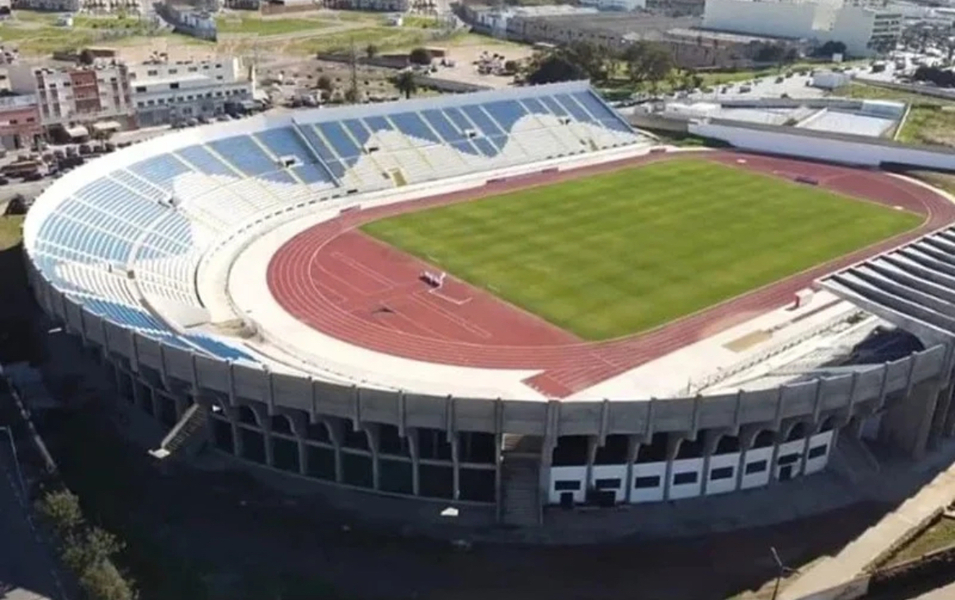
(26, 567)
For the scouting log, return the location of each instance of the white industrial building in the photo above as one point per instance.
(167, 92)
(623, 5)
(863, 29)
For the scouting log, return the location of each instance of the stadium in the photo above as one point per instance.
(506, 299)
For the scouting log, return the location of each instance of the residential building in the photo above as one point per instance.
(78, 96)
(48, 5)
(19, 121)
(863, 28)
(376, 5)
(168, 92)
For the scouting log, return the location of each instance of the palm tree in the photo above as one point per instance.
(406, 84)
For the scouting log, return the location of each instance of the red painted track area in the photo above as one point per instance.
(347, 285)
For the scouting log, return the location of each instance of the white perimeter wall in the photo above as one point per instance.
(760, 18)
(574, 479)
(822, 148)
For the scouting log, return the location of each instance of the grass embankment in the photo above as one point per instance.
(626, 251)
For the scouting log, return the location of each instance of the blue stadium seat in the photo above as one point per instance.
(205, 161)
(411, 124)
(339, 140)
(160, 170)
(244, 154)
(505, 112)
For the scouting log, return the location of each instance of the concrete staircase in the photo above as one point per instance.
(186, 434)
(520, 481)
(852, 459)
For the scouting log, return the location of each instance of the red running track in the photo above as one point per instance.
(343, 283)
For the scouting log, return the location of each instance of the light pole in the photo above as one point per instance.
(16, 461)
(782, 572)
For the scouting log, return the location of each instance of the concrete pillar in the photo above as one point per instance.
(593, 444)
(335, 432)
(942, 406)
(747, 436)
(778, 437)
(907, 424)
(299, 423)
(456, 464)
(415, 461)
(371, 432)
(237, 443)
(155, 401)
(673, 448)
(633, 451)
(711, 438)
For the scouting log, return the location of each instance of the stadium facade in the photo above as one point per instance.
(131, 253)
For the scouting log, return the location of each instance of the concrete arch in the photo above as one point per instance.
(282, 424)
(796, 429)
(257, 412)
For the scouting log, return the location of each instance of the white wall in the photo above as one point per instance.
(721, 486)
(760, 18)
(794, 447)
(686, 490)
(610, 472)
(575, 473)
(823, 149)
(655, 494)
(814, 465)
(756, 479)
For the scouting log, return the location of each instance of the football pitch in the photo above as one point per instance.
(623, 252)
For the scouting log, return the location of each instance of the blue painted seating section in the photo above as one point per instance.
(482, 121)
(571, 106)
(602, 112)
(283, 142)
(119, 202)
(358, 131)
(217, 348)
(205, 161)
(61, 230)
(344, 147)
(160, 170)
(244, 154)
(535, 106)
(121, 314)
(311, 174)
(138, 185)
(322, 149)
(410, 123)
(505, 112)
(440, 123)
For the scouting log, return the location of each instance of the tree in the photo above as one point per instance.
(406, 83)
(588, 57)
(555, 68)
(420, 56)
(647, 62)
(86, 57)
(324, 83)
(769, 53)
(511, 67)
(371, 51)
(62, 510)
(830, 48)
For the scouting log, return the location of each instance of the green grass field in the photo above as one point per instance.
(623, 252)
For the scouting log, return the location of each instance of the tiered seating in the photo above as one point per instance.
(154, 217)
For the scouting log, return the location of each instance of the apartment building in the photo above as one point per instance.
(168, 92)
(76, 97)
(19, 121)
(48, 5)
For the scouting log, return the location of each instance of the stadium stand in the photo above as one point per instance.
(133, 236)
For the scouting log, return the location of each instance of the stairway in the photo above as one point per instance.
(520, 481)
(185, 434)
